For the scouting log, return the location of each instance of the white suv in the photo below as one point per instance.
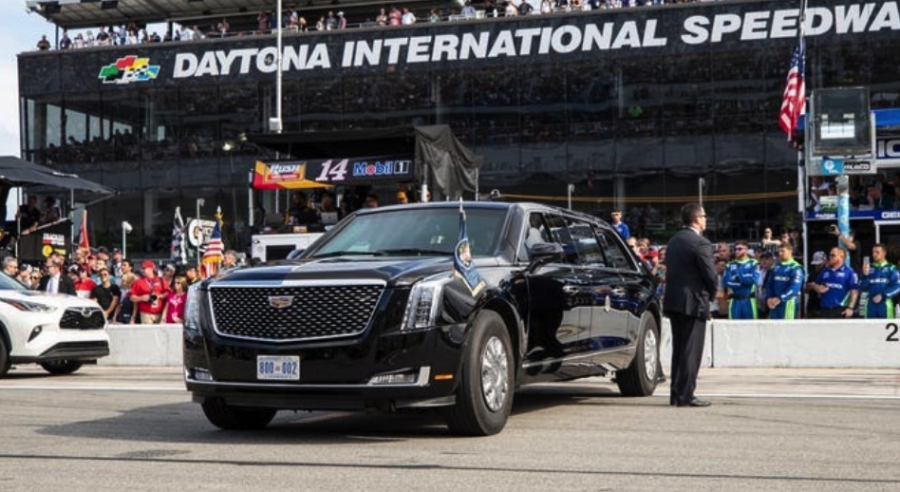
(57, 331)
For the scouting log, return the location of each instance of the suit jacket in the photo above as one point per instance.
(66, 285)
(690, 275)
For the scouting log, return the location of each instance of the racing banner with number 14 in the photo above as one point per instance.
(320, 173)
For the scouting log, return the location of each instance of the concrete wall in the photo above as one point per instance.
(804, 343)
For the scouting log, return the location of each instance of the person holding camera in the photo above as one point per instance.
(150, 294)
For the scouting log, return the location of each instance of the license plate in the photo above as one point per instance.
(284, 367)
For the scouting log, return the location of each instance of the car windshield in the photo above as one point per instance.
(416, 232)
(9, 283)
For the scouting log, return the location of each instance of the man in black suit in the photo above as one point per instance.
(56, 282)
(690, 287)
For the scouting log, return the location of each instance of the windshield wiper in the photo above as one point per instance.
(412, 251)
(345, 253)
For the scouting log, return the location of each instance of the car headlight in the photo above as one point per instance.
(424, 303)
(192, 308)
(30, 307)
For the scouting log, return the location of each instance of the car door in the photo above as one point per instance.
(633, 292)
(559, 300)
(609, 317)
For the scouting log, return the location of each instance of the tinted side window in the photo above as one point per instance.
(585, 243)
(616, 256)
(559, 233)
(536, 231)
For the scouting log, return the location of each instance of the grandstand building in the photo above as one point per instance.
(631, 106)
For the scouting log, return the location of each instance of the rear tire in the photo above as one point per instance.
(640, 377)
(61, 367)
(4, 357)
(227, 417)
(485, 393)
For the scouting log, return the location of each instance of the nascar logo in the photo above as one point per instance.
(127, 70)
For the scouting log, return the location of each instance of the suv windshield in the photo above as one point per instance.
(9, 283)
(416, 231)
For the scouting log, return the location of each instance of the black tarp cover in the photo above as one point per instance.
(451, 167)
(20, 172)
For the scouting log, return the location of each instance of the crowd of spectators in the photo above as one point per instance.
(294, 21)
(867, 192)
(766, 279)
(128, 292)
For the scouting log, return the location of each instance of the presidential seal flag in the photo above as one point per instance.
(462, 257)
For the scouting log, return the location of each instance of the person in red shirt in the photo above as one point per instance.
(84, 285)
(150, 294)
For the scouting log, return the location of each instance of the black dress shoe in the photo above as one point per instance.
(694, 403)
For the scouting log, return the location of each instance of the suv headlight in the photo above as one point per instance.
(424, 303)
(29, 307)
(192, 308)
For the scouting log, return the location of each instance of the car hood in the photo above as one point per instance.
(395, 271)
(56, 300)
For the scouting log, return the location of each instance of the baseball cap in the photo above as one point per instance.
(148, 264)
(766, 255)
(401, 195)
(818, 258)
(170, 266)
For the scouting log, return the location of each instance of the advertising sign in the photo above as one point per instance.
(319, 173)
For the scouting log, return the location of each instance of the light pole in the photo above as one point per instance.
(701, 183)
(126, 228)
(200, 203)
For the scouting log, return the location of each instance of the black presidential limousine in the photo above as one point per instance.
(373, 315)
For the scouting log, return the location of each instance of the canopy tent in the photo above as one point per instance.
(19, 172)
(428, 153)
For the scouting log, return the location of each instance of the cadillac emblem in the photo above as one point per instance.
(281, 302)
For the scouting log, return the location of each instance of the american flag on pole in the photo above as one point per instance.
(212, 257)
(178, 251)
(793, 104)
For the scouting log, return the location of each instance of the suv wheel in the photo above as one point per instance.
(485, 393)
(640, 377)
(61, 367)
(228, 417)
(4, 356)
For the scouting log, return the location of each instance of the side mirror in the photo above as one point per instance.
(543, 253)
(293, 255)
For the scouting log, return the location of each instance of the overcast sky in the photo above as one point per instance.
(19, 31)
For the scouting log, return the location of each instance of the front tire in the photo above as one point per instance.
(485, 393)
(228, 417)
(640, 377)
(61, 367)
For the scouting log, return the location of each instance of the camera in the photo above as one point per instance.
(153, 297)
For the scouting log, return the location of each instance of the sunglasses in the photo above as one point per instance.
(740, 248)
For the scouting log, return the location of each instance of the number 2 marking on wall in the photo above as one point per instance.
(893, 329)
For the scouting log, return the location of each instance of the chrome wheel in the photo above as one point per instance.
(494, 371)
(651, 355)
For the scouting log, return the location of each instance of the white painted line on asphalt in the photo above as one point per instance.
(788, 396)
(149, 389)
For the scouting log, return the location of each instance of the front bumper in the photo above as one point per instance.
(333, 376)
(89, 350)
